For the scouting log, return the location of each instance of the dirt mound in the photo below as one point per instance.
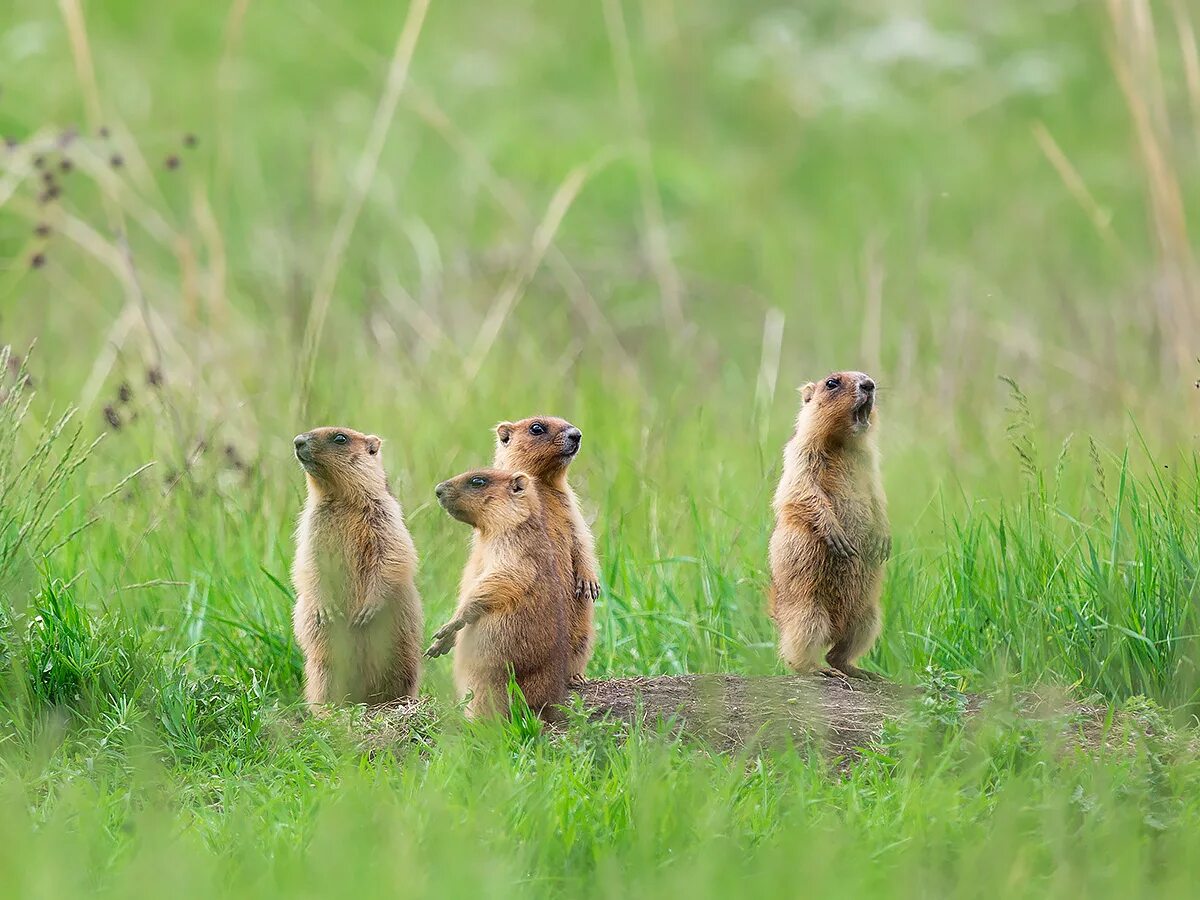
(838, 717)
(730, 711)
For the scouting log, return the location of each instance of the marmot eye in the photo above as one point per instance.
(537, 428)
(340, 438)
(478, 481)
(833, 383)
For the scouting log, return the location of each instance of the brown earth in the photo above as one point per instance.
(837, 716)
(729, 711)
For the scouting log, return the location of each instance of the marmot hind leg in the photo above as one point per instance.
(317, 686)
(855, 644)
(803, 639)
(583, 641)
(487, 700)
(400, 682)
(544, 690)
(578, 665)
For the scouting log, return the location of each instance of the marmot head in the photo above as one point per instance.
(542, 445)
(339, 459)
(842, 406)
(491, 500)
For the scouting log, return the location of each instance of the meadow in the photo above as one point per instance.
(223, 224)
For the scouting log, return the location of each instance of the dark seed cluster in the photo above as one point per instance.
(52, 163)
(201, 458)
(119, 411)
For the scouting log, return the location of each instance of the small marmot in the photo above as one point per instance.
(358, 615)
(544, 446)
(831, 530)
(512, 605)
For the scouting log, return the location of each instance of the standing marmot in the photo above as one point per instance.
(831, 530)
(513, 602)
(544, 446)
(358, 616)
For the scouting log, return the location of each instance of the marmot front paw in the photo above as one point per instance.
(443, 640)
(365, 615)
(840, 544)
(885, 548)
(323, 616)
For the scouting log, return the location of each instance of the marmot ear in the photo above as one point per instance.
(518, 483)
(806, 392)
(504, 431)
(373, 444)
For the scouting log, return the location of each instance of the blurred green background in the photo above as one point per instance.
(225, 223)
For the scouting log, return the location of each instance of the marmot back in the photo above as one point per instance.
(831, 530)
(358, 615)
(513, 600)
(543, 446)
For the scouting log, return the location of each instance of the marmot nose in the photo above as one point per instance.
(300, 440)
(574, 435)
(440, 489)
(867, 385)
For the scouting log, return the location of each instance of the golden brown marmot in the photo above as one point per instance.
(831, 530)
(358, 615)
(544, 446)
(513, 600)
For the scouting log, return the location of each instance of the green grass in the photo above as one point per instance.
(836, 186)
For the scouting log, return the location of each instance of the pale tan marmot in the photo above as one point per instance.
(358, 615)
(831, 530)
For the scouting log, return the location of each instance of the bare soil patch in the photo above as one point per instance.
(730, 711)
(837, 716)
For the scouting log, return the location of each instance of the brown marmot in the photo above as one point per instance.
(544, 446)
(512, 607)
(358, 615)
(831, 530)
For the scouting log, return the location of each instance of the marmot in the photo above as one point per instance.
(831, 530)
(512, 607)
(358, 615)
(544, 446)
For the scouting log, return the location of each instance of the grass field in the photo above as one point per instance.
(654, 218)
